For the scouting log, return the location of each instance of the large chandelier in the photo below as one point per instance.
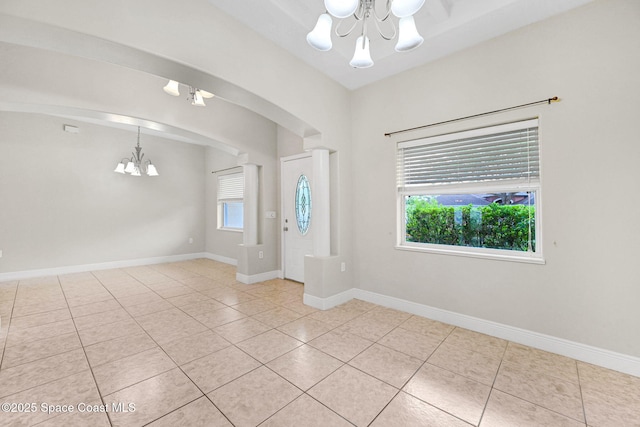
(364, 11)
(135, 165)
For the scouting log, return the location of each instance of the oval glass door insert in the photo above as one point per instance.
(303, 204)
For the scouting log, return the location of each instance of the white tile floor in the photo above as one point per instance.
(185, 344)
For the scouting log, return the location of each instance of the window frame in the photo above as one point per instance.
(497, 186)
(223, 202)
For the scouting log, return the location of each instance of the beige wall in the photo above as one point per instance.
(588, 290)
(62, 204)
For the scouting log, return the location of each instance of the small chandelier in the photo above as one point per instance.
(196, 96)
(365, 11)
(135, 165)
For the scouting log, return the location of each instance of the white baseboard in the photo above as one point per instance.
(256, 278)
(594, 355)
(329, 302)
(56, 271)
(585, 353)
(220, 258)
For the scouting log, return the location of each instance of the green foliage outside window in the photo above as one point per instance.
(490, 226)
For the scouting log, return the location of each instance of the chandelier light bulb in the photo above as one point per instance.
(405, 8)
(136, 172)
(341, 8)
(408, 37)
(172, 88)
(130, 167)
(320, 36)
(151, 170)
(198, 100)
(120, 168)
(362, 57)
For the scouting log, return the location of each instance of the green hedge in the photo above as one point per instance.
(491, 226)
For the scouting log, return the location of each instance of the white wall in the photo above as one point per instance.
(62, 204)
(588, 291)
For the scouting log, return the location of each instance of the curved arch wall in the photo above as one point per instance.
(96, 65)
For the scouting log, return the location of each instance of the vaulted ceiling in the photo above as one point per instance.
(446, 25)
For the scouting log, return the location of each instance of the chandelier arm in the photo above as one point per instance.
(386, 15)
(137, 153)
(382, 34)
(361, 12)
(349, 31)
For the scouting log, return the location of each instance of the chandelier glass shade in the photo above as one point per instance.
(136, 165)
(364, 12)
(196, 96)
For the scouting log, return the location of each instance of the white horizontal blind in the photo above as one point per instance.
(505, 153)
(231, 186)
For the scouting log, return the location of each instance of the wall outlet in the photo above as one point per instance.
(343, 266)
(190, 239)
(261, 254)
(0, 254)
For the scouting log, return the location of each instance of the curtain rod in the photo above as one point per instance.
(548, 101)
(227, 169)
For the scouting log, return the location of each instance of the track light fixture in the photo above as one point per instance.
(196, 96)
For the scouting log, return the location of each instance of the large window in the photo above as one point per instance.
(230, 201)
(472, 193)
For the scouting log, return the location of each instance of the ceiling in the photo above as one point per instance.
(447, 26)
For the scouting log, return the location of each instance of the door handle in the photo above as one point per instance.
(286, 228)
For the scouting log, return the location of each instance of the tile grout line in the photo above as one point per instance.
(186, 375)
(261, 364)
(265, 297)
(584, 409)
(495, 378)
(426, 361)
(177, 365)
(64, 352)
(6, 340)
(83, 347)
(538, 405)
(158, 346)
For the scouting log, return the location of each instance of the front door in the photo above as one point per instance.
(297, 217)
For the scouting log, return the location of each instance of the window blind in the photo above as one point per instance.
(231, 186)
(508, 152)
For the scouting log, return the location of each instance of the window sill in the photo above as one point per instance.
(474, 254)
(235, 230)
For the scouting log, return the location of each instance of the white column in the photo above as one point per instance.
(321, 199)
(251, 188)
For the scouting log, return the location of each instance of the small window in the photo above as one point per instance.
(472, 193)
(230, 201)
(303, 205)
